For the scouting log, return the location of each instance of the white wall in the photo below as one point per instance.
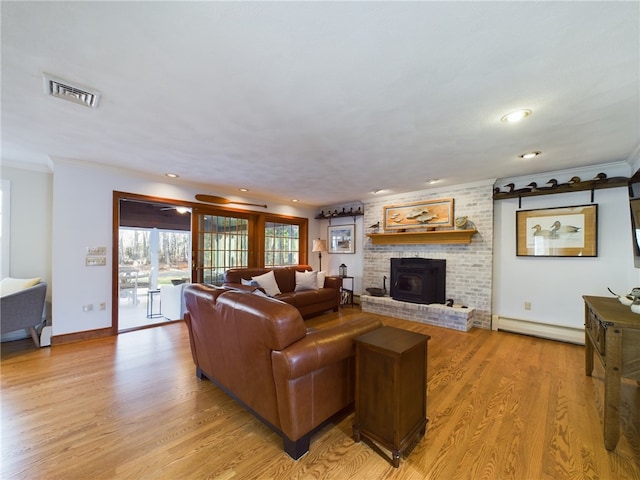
(555, 285)
(31, 194)
(82, 217)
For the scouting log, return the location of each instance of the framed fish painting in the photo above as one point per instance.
(558, 232)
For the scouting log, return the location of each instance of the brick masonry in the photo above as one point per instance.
(456, 318)
(469, 266)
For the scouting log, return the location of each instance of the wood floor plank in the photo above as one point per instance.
(500, 406)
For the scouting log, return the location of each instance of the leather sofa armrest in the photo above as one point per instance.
(320, 348)
(333, 282)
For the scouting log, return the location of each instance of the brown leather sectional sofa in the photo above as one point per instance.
(308, 302)
(259, 351)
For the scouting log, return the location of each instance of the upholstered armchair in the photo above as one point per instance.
(23, 309)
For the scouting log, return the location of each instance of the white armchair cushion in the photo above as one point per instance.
(10, 285)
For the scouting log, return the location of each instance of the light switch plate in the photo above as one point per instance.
(95, 261)
(96, 250)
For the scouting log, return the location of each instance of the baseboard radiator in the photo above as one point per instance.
(561, 333)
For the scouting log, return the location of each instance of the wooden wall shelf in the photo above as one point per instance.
(576, 186)
(435, 236)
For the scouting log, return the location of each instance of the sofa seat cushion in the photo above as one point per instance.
(309, 297)
(289, 298)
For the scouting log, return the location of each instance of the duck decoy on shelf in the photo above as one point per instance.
(511, 187)
(602, 178)
(375, 225)
(576, 182)
(558, 228)
(552, 185)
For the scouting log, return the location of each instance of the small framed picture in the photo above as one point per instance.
(342, 239)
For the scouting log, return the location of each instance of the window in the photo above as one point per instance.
(281, 244)
(227, 238)
(223, 243)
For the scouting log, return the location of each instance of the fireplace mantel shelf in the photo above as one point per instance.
(435, 236)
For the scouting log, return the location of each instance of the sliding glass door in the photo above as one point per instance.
(222, 242)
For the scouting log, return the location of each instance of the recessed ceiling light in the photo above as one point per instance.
(433, 181)
(529, 155)
(172, 175)
(516, 116)
(295, 200)
(243, 189)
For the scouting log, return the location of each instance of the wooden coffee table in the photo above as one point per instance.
(391, 388)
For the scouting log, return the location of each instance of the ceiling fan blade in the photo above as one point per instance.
(221, 200)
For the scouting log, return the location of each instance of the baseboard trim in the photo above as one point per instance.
(539, 329)
(79, 336)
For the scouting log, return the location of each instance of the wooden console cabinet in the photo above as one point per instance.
(612, 332)
(391, 388)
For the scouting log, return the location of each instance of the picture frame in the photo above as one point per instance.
(558, 232)
(341, 239)
(424, 214)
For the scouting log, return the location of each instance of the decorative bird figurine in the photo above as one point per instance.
(541, 233)
(558, 228)
(601, 177)
(375, 225)
(552, 185)
(511, 187)
(533, 186)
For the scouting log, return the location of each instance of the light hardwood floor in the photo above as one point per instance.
(500, 406)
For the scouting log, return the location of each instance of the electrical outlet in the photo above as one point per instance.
(88, 307)
(95, 250)
(95, 261)
(527, 305)
(102, 306)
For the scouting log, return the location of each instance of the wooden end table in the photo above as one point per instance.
(391, 388)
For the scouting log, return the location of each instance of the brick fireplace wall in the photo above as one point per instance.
(469, 266)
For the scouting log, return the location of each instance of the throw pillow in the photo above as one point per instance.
(321, 277)
(268, 282)
(250, 283)
(306, 281)
(12, 285)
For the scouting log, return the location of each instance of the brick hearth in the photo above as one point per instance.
(456, 318)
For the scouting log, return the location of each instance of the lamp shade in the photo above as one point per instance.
(319, 246)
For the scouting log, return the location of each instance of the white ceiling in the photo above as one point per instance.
(323, 101)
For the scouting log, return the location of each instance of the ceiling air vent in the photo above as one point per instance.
(74, 93)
